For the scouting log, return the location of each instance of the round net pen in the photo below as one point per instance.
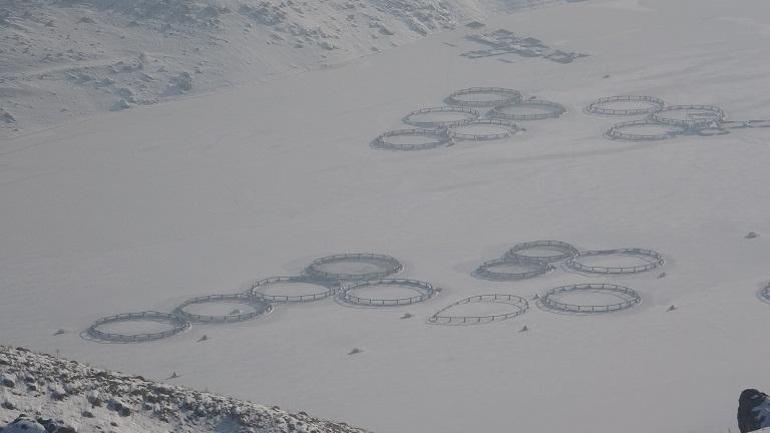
(564, 251)
(652, 260)
(500, 96)
(258, 289)
(177, 324)
(689, 116)
(518, 305)
(388, 266)
(423, 292)
(435, 138)
(468, 114)
(627, 298)
(619, 131)
(257, 307)
(507, 129)
(600, 106)
(542, 109)
(530, 269)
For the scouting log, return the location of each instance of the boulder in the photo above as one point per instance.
(24, 424)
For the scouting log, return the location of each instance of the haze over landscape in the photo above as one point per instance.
(155, 152)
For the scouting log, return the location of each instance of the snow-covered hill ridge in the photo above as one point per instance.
(87, 399)
(62, 59)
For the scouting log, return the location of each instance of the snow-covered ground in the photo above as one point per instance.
(61, 60)
(145, 208)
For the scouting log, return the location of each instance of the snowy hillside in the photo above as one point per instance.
(87, 399)
(62, 59)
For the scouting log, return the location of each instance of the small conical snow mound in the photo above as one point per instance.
(23, 424)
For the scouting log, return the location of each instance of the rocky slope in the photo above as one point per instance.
(62, 59)
(67, 396)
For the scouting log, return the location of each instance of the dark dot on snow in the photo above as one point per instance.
(751, 235)
(354, 351)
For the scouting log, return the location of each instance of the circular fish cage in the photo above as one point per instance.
(650, 258)
(689, 117)
(484, 97)
(465, 115)
(322, 289)
(626, 298)
(620, 131)
(518, 306)
(258, 307)
(177, 325)
(533, 109)
(423, 291)
(563, 251)
(416, 139)
(338, 267)
(506, 129)
(525, 269)
(603, 106)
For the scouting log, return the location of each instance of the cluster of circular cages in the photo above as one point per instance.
(259, 302)
(539, 264)
(437, 133)
(531, 265)
(549, 301)
(672, 120)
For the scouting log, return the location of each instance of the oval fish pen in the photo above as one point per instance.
(563, 251)
(526, 269)
(257, 307)
(423, 291)
(626, 298)
(177, 324)
(465, 115)
(603, 106)
(518, 306)
(533, 109)
(370, 267)
(417, 139)
(620, 131)
(505, 129)
(650, 258)
(689, 117)
(260, 289)
(484, 97)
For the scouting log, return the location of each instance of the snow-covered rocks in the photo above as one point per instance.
(68, 58)
(8, 380)
(180, 84)
(6, 117)
(120, 104)
(82, 398)
(24, 424)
